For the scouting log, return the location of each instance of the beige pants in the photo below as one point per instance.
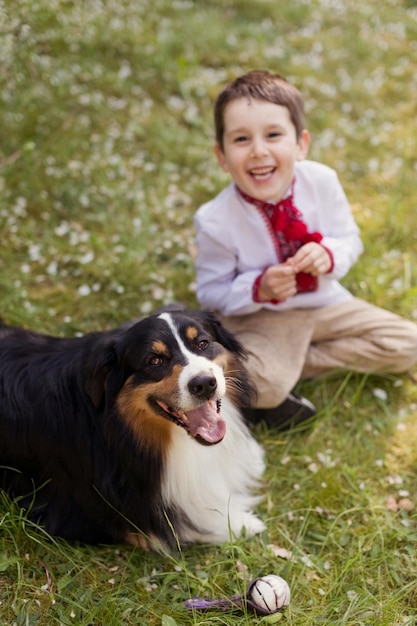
(287, 346)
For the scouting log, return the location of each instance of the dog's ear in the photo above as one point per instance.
(221, 334)
(99, 364)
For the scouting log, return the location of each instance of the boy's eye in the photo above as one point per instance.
(274, 133)
(240, 139)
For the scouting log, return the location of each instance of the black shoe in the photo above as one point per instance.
(293, 411)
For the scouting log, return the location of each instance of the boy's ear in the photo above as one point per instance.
(221, 157)
(303, 145)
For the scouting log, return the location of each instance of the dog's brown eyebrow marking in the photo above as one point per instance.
(160, 347)
(191, 333)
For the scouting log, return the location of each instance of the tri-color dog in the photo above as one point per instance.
(131, 435)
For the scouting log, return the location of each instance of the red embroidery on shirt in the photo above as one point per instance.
(289, 232)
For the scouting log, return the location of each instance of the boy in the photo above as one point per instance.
(272, 247)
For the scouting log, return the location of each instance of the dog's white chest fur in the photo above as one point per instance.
(214, 485)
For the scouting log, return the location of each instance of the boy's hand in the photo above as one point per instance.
(311, 258)
(278, 283)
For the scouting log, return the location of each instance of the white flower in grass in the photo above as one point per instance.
(84, 99)
(175, 103)
(78, 237)
(397, 284)
(86, 258)
(146, 307)
(307, 561)
(84, 201)
(395, 479)
(84, 290)
(118, 288)
(52, 268)
(352, 595)
(35, 252)
(158, 293)
(117, 104)
(326, 459)
(379, 393)
(19, 207)
(125, 70)
(62, 229)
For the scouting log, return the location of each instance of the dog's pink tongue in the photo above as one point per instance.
(206, 423)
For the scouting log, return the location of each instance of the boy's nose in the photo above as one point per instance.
(259, 148)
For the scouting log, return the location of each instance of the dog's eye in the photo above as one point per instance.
(156, 360)
(202, 344)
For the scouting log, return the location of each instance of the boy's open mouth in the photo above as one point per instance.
(262, 173)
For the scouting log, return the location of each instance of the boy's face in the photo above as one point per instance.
(260, 148)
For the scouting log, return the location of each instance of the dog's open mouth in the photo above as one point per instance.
(204, 423)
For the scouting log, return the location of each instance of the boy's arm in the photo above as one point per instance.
(219, 286)
(341, 235)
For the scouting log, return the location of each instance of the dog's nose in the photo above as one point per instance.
(202, 386)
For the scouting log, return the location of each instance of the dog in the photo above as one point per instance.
(133, 435)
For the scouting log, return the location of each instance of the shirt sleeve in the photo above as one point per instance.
(219, 285)
(341, 235)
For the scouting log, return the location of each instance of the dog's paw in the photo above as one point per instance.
(249, 525)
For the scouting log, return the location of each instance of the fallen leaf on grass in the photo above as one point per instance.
(395, 505)
(282, 553)
(391, 504)
(406, 504)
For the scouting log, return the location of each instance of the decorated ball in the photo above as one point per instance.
(270, 593)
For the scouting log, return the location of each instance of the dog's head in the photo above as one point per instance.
(172, 367)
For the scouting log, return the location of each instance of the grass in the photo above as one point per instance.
(106, 153)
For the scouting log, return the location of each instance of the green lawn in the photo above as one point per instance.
(105, 154)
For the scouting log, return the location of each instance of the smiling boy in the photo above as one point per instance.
(272, 248)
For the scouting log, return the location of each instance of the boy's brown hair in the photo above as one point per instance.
(260, 85)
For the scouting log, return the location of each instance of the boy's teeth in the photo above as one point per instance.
(265, 172)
